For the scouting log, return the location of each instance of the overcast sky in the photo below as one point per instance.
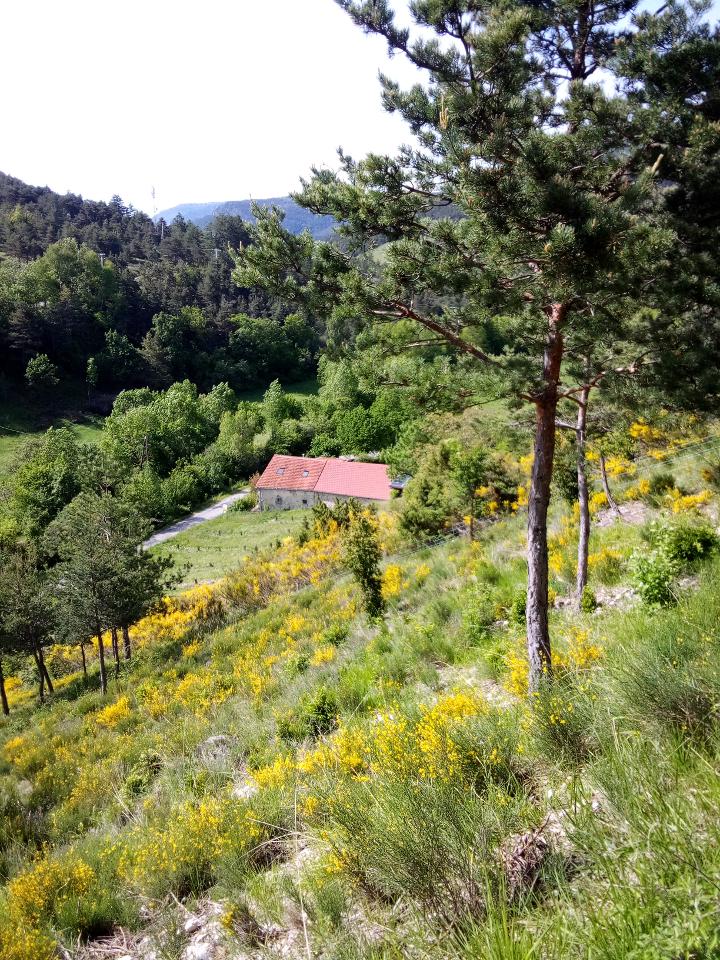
(210, 100)
(205, 100)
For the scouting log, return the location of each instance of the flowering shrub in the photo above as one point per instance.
(37, 893)
(580, 654)
(36, 898)
(181, 852)
(689, 503)
(605, 564)
(393, 581)
(114, 714)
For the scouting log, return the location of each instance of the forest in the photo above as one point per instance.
(478, 720)
(98, 293)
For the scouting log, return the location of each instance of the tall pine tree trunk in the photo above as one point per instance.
(116, 651)
(101, 658)
(126, 641)
(3, 693)
(583, 496)
(538, 633)
(612, 503)
(84, 661)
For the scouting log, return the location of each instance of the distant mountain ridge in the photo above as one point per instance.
(297, 218)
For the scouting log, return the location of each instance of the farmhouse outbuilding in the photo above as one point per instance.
(288, 483)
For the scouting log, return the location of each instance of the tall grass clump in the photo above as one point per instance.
(665, 669)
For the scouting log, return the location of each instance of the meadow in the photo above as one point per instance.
(274, 775)
(24, 417)
(211, 550)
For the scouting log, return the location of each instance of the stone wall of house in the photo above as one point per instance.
(285, 499)
(299, 499)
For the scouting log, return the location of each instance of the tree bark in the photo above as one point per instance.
(43, 667)
(101, 658)
(538, 634)
(116, 651)
(41, 676)
(3, 693)
(612, 503)
(84, 661)
(583, 496)
(126, 642)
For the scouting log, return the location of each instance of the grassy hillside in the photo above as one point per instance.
(272, 775)
(24, 416)
(211, 550)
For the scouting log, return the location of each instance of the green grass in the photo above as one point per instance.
(212, 549)
(298, 389)
(415, 821)
(23, 416)
(11, 443)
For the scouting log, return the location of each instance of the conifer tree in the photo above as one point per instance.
(26, 616)
(103, 579)
(533, 200)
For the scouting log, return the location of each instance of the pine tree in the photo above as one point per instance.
(533, 201)
(26, 615)
(103, 580)
(362, 556)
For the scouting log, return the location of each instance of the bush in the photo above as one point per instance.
(659, 484)
(478, 616)
(670, 676)
(563, 724)
(588, 601)
(410, 840)
(606, 565)
(674, 546)
(516, 611)
(684, 541)
(653, 575)
(245, 504)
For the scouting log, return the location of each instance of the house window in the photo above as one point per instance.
(306, 473)
(304, 503)
(280, 471)
(278, 499)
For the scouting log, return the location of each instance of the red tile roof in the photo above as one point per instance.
(291, 473)
(344, 478)
(352, 479)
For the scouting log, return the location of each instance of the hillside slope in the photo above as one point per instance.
(272, 775)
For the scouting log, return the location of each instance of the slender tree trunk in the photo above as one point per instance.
(43, 667)
(41, 676)
(3, 693)
(583, 497)
(101, 658)
(472, 519)
(126, 642)
(538, 634)
(116, 651)
(84, 661)
(612, 503)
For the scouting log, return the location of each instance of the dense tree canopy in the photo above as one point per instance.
(146, 302)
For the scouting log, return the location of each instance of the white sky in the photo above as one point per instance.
(206, 100)
(214, 100)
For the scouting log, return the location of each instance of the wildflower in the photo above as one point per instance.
(114, 714)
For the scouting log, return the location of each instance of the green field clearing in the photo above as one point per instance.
(299, 390)
(22, 419)
(213, 549)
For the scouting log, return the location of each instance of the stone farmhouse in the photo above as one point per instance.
(289, 483)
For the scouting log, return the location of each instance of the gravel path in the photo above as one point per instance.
(187, 523)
